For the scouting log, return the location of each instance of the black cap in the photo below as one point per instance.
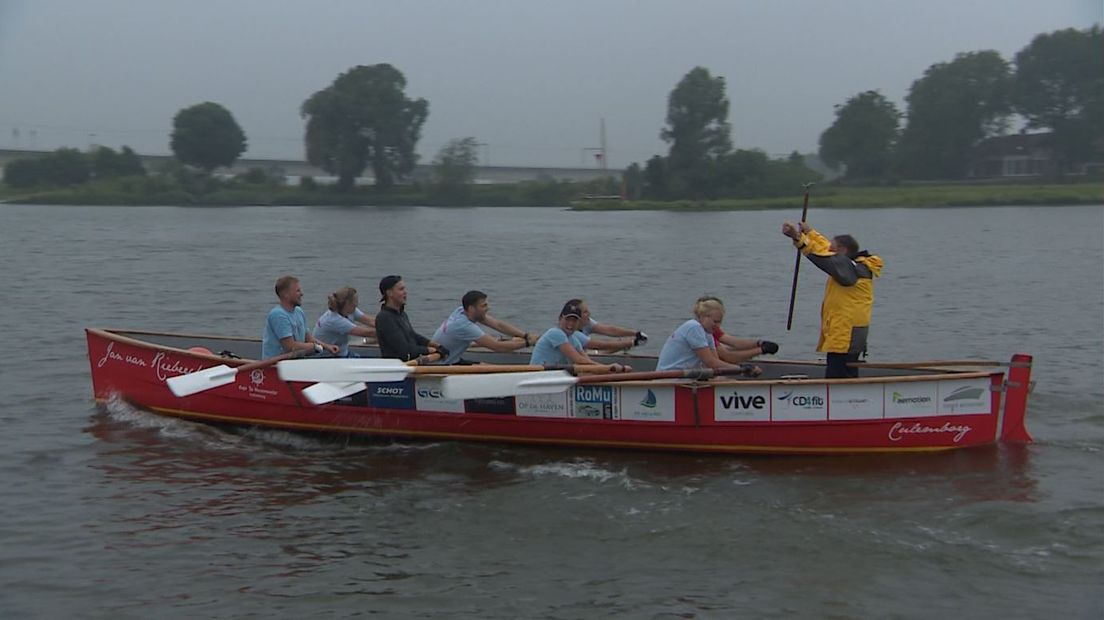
(386, 284)
(571, 309)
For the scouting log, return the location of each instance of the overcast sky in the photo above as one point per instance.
(531, 79)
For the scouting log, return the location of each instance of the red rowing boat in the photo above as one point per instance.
(902, 407)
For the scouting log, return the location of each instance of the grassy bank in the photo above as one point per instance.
(896, 196)
(157, 191)
(161, 191)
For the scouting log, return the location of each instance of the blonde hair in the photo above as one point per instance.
(337, 300)
(707, 304)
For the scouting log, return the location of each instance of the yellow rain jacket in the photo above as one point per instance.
(848, 294)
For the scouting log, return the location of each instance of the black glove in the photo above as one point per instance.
(639, 339)
(442, 351)
(768, 347)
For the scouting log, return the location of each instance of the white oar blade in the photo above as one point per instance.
(459, 387)
(342, 370)
(322, 393)
(186, 385)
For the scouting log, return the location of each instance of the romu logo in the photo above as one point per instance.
(593, 393)
(807, 402)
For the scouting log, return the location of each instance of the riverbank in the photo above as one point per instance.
(149, 192)
(160, 191)
(1042, 194)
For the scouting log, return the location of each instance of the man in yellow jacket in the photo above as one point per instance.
(848, 294)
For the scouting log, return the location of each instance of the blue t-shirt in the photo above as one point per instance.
(281, 324)
(456, 334)
(547, 350)
(333, 328)
(678, 352)
(584, 337)
(588, 329)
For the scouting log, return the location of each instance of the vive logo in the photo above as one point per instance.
(964, 393)
(745, 402)
(649, 400)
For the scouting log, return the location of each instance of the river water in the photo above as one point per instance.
(109, 512)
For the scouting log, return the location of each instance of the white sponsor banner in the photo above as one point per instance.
(542, 405)
(647, 403)
(741, 403)
(965, 396)
(910, 399)
(799, 402)
(855, 401)
(427, 396)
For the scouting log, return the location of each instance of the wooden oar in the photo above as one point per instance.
(933, 364)
(209, 378)
(328, 391)
(347, 370)
(549, 382)
(343, 369)
(380, 371)
(797, 260)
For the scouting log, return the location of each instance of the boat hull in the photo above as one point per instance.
(890, 413)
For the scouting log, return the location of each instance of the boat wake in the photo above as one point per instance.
(576, 469)
(251, 438)
(118, 410)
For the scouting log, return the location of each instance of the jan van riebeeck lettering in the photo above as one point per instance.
(162, 368)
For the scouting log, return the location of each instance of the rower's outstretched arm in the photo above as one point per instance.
(815, 247)
(502, 327)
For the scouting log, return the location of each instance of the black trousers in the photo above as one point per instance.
(837, 367)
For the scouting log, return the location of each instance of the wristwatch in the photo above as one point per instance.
(317, 348)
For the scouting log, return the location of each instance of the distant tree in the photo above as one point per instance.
(741, 172)
(254, 176)
(950, 109)
(633, 181)
(1059, 85)
(129, 164)
(454, 168)
(363, 118)
(697, 130)
(107, 163)
(24, 173)
(862, 136)
(206, 136)
(655, 178)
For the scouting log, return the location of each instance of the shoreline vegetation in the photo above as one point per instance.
(555, 194)
(829, 196)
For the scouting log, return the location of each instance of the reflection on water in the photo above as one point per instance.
(277, 469)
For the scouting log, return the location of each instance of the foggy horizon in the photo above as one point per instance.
(530, 81)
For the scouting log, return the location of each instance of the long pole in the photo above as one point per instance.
(797, 260)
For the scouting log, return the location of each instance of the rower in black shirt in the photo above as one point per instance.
(397, 338)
